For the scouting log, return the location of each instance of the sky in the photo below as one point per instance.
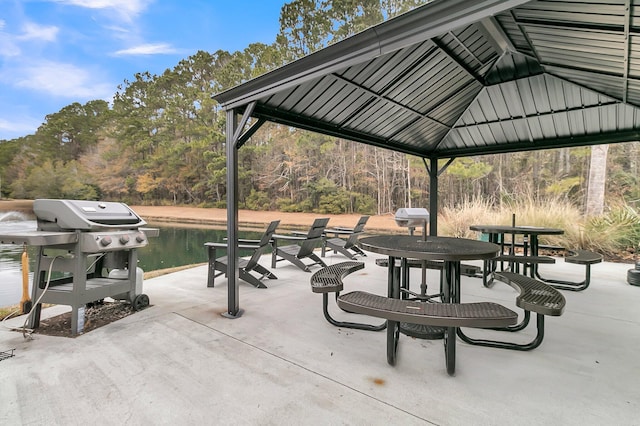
(57, 52)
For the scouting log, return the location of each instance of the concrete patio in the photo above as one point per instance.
(180, 362)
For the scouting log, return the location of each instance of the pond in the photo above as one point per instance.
(176, 245)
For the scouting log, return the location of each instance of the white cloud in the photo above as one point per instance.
(8, 47)
(62, 80)
(127, 8)
(33, 31)
(147, 49)
(12, 45)
(2, 24)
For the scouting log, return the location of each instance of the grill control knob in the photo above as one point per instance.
(140, 238)
(124, 239)
(105, 241)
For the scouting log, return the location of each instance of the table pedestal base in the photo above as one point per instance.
(420, 331)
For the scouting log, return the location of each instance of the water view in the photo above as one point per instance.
(177, 245)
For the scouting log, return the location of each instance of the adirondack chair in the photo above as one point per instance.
(306, 243)
(346, 246)
(245, 266)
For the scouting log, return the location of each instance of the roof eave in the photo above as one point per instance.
(412, 27)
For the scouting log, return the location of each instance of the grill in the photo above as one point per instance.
(412, 217)
(87, 251)
(59, 215)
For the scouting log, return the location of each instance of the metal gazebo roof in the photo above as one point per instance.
(457, 78)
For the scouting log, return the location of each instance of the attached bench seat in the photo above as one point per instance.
(468, 270)
(579, 257)
(329, 280)
(540, 246)
(514, 261)
(535, 296)
(525, 259)
(583, 257)
(450, 315)
(478, 314)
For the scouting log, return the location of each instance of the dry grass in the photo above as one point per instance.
(612, 234)
(552, 213)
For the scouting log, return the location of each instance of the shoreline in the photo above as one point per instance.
(246, 218)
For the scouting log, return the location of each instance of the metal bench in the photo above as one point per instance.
(449, 315)
(329, 280)
(468, 270)
(549, 247)
(580, 257)
(527, 262)
(535, 296)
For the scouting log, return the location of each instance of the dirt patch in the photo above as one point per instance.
(96, 316)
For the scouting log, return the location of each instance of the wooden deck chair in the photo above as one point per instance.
(348, 247)
(306, 243)
(245, 266)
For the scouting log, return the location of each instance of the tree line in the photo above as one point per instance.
(162, 141)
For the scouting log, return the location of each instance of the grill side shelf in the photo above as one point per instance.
(39, 238)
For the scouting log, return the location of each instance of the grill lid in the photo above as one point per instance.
(412, 217)
(57, 215)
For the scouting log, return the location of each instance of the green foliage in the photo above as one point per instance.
(8, 150)
(616, 230)
(288, 206)
(257, 200)
(627, 185)
(333, 203)
(54, 180)
(72, 131)
(309, 25)
(564, 186)
(364, 204)
(324, 196)
(468, 168)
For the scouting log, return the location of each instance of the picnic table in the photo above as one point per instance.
(450, 314)
(530, 257)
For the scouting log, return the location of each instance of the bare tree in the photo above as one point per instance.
(597, 180)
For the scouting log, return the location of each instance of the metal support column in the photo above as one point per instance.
(233, 303)
(433, 196)
(235, 139)
(434, 173)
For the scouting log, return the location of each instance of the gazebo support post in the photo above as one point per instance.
(434, 174)
(235, 139)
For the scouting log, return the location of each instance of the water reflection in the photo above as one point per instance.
(11, 258)
(178, 246)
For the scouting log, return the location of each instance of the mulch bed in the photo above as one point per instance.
(96, 316)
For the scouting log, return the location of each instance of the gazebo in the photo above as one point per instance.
(455, 78)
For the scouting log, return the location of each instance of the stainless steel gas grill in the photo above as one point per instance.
(87, 251)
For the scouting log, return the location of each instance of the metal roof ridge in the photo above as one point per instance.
(420, 24)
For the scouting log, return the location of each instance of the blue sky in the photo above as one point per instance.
(56, 52)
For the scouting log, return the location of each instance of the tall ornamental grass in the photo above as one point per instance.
(614, 232)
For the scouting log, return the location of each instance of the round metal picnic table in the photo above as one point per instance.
(447, 249)
(496, 235)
